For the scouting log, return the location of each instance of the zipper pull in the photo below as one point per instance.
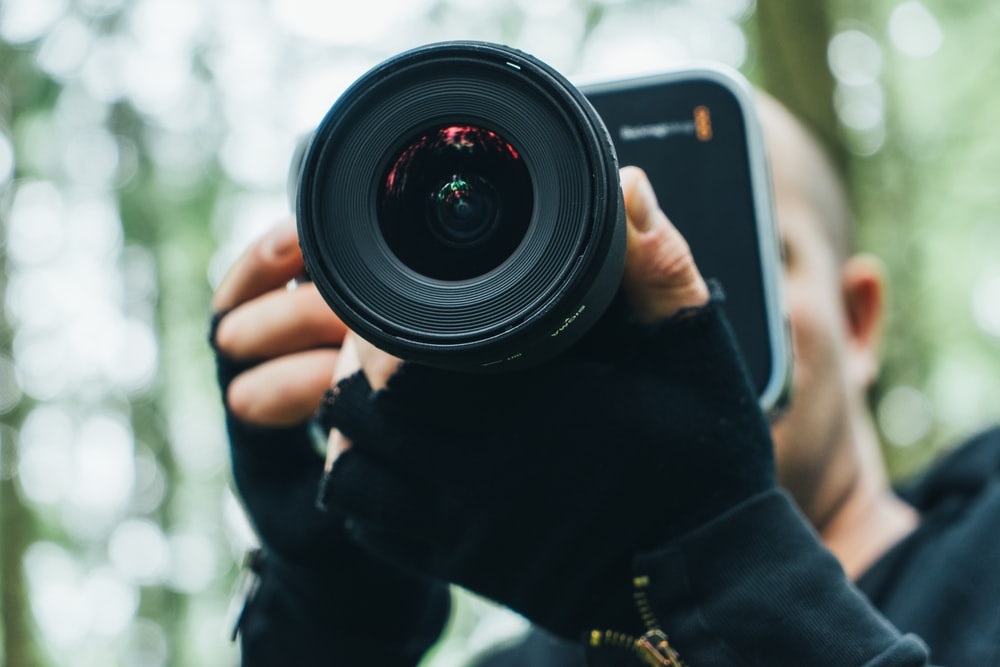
(652, 648)
(655, 650)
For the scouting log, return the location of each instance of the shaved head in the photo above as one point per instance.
(801, 164)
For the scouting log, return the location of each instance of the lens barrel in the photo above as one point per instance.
(460, 206)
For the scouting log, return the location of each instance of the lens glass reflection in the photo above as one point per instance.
(456, 202)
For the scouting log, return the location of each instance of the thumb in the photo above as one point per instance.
(660, 275)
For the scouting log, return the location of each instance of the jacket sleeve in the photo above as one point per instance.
(319, 599)
(756, 587)
(316, 597)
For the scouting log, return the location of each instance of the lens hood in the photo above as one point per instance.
(460, 206)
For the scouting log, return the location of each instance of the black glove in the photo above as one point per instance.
(321, 600)
(538, 487)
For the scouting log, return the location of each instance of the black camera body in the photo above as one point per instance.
(460, 206)
(696, 134)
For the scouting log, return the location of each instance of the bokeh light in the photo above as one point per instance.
(139, 551)
(65, 47)
(855, 57)
(24, 21)
(145, 645)
(46, 454)
(6, 159)
(57, 599)
(905, 416)
(104, 471)
(914, 30)
(986, 302)
(145, 143)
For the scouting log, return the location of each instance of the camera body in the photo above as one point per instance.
(460, 205)
(695, 133)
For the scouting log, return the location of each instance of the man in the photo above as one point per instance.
(731, 575)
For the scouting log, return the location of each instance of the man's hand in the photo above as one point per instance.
(660, 279)
(289, 334)
(660, 274)
(537, 487)
(321, 599)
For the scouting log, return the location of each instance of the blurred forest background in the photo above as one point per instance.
(144, 143)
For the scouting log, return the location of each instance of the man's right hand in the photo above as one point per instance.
(321, 598)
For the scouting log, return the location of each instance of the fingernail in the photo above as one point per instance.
(282, 242)
(643, 206)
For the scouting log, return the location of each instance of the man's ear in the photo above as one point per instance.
(864, 290)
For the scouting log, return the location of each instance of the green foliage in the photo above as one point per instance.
(183, 116)
(928, 207)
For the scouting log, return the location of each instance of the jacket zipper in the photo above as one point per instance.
(652, 648)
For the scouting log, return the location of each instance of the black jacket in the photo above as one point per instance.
(941, 583)
(940, 586)
(753, 586)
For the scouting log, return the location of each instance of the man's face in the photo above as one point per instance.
(813, 439)
(807, 436)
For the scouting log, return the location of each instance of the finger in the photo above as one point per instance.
(270, 262)
(348, 363)
(283, 391)
(374, 495)
(385, 424)
(279, 322)
(378, 366)
(660, 275)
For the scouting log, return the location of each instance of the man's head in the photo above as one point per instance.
(836, 304)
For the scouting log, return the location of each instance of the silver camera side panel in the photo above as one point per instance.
(776, 394)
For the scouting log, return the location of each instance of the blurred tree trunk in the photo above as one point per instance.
(18, 646)
(19, 642)
(791, 63)
(792, 39)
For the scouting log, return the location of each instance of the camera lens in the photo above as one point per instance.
(464, 210)
(456, 202)
(459, 206)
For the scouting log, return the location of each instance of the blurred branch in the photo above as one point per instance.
(792, 45)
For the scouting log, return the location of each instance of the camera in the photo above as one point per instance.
(695, 133)
(460, 204)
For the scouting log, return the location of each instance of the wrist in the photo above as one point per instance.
(690, 292)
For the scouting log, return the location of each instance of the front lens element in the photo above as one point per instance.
(464, 212)
(456, 202)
